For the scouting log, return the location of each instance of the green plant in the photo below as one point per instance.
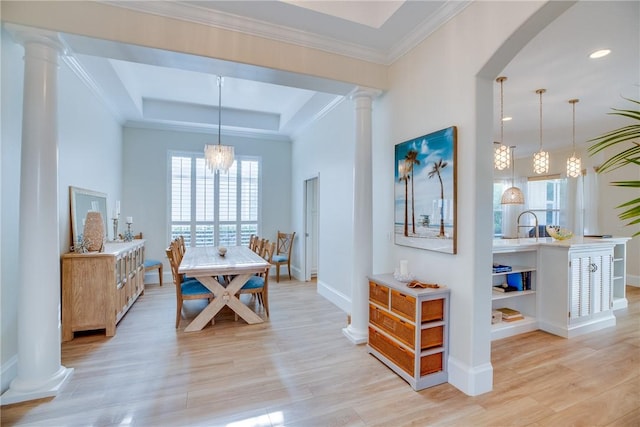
(628, 156)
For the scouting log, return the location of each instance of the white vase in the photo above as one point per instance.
(93, 233)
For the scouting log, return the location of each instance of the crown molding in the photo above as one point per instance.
(88, 81)
(227, 21)
(445, 13)
(206, 129)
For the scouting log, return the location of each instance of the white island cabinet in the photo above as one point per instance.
(577, 295)
(576, 284)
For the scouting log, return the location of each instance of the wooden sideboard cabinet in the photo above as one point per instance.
(98, 288)
(409, 330)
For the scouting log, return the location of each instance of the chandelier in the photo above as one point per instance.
(501, 154)
(541, 158)
(218, 157)
(573, 162)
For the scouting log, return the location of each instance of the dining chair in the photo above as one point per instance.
(260, 245)
(253, 241)
(186, 289)
(259, 284)
(283, 252)
(151, 264)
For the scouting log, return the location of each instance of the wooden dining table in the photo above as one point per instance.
(207, 265)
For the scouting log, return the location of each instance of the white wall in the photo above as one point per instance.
(445, 81)
(326, 149)
(89, 156)
(145, 182)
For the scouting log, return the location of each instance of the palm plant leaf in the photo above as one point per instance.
(628, 156)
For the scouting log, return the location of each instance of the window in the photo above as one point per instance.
(547, 197)
(498, 189)
(214, 209)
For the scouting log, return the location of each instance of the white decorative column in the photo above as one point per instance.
(40, 373)
(357, 331)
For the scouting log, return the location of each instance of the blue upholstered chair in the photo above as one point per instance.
(151, 264)
(259, 284)
(186, 289)
(283, 252)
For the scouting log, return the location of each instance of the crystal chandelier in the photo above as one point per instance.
(501, 154)
(218, 157)
(541, 158)
(512, 195)
(573, 162)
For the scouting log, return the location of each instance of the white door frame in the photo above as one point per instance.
(309, 239)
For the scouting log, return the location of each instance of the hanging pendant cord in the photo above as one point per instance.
(574, 129)
(219, 107)
(541, 91)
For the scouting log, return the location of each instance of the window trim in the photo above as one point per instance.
(216, 222)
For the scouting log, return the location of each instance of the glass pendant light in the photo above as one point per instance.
(574, 168)
(541, 158)
(501, 153)
(218, 157)
(512, 195)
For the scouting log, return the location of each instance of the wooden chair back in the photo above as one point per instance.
(268, 251)
(173, 254)
(253, 241)
(260, 246)
(285, 243)
(283, 252)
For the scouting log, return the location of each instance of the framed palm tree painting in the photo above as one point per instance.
(425, 191)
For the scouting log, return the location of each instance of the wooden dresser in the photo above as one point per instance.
(98, 288)
(409, 330)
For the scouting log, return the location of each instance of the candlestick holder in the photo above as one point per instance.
(115, 228)
(128, 236)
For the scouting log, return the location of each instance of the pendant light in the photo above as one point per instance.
(573, 162)
(501, 153)
(512, 195)
(218, 157)
(541, 158)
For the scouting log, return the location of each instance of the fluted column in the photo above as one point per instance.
(40, 373)
(357, 331)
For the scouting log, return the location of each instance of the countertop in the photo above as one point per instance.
(531, 243)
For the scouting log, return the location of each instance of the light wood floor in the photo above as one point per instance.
(299, 370)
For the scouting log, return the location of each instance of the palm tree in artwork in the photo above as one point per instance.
(404, 176)
(412, 159)
(437, 167)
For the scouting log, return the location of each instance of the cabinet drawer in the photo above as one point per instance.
(379, 294)
(404, 305)
(393, 325)
(402, 357)
(431, 337)
(432, 310)
(430, 364)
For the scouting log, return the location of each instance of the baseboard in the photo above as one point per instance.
(8, 372)
(337, 298)
(633, 280)
(472, 381)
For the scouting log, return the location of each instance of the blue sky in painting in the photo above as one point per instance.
(430, 148)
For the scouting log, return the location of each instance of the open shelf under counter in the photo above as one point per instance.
(515, 269)
(496, 295)
(506, 329)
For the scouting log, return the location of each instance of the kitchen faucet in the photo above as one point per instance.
(526, 226)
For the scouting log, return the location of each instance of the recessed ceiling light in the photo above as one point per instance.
(600, 53)
(506, 119)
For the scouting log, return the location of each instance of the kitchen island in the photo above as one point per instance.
(571, 286)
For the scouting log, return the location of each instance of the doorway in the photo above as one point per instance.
(311, 228)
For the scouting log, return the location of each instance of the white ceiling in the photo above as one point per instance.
(152, 88)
